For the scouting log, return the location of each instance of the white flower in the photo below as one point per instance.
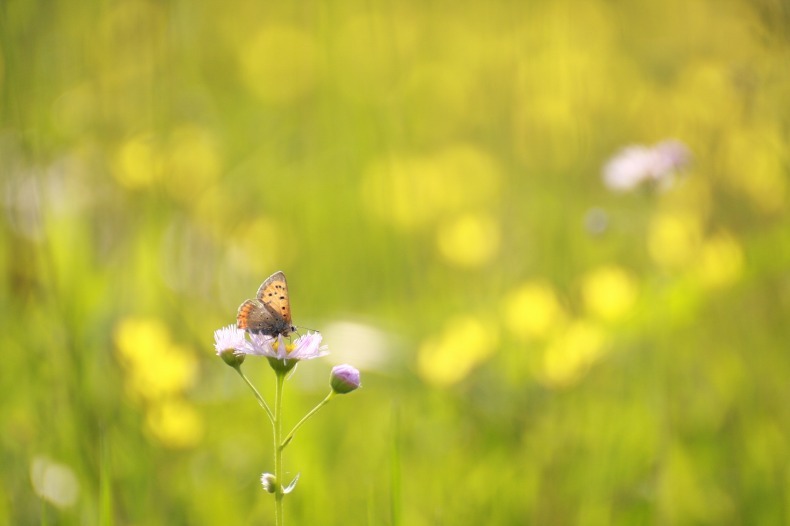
(234, 344)
(231, 345)
(305, 347)
(229, 338)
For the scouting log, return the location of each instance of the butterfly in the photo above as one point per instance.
(270, 312)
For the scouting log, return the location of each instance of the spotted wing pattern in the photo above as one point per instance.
(270, 313)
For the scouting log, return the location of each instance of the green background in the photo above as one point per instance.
(535, 348)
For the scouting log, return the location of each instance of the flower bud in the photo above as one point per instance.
(280, 365)
(230, 357)
(228, 341)
(344, 379)
(269, 483)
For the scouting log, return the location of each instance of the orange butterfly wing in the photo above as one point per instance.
(270, 313)
(273, 293)
(250, 316)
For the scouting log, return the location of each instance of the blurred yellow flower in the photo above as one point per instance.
(139, 162)
(569, 356)
(186, 163)
(532, 311)
(279, 64)
(175, 423)
(609, 292)
(471, 240)
(157, 371)
(155, 366)
(448, 358)
(169, 372)
(720, 262)
(673, 238)
(139, 339)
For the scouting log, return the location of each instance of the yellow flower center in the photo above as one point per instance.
(289, 347)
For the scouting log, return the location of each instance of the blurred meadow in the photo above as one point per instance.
(535, 346)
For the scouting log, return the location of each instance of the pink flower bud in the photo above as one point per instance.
(344, 379)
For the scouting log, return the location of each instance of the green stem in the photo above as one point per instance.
(278, 451)
(306, 418)
(261, 401)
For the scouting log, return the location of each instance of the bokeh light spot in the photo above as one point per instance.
(139, 162)
(609, 292)
(175, 423)
(720, 262)
(673, 238)
(570, 355)
(469, 241)
(137, 339)
(533, 311)
(464, 344)
(364, 345)
(156, 367)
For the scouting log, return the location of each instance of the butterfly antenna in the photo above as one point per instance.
(297, 327)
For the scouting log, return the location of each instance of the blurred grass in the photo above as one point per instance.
(423, 173)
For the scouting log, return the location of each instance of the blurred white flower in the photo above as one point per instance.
(635, 165)
(54, 482)
(366, 346)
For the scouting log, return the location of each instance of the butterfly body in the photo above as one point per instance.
(270, 312)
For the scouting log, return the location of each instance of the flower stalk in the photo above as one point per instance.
(278, 450)
(258, 396)
(305, 418)
(234, 344)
